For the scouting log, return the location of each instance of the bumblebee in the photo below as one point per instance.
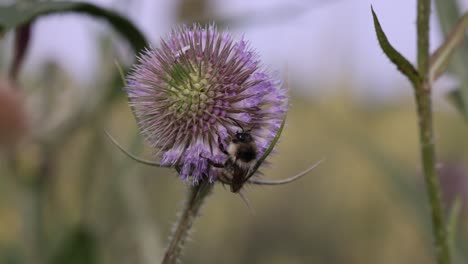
(242, 155)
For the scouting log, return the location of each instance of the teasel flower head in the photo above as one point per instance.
(191, 93)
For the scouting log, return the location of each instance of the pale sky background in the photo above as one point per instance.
(329, 39)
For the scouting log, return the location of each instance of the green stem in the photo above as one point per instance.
(426, 135)
(424, 9)
(196, 196)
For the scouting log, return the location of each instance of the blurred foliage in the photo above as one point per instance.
(79, 247)
(449, 14)
(455, 98)
(349, 210)
(21, 13)
(365, 204)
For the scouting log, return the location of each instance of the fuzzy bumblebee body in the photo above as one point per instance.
(242, 149)
(242, 154)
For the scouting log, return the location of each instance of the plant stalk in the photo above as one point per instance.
(426, 135)
(424, 10)
(195, 198)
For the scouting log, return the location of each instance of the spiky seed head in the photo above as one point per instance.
(186, 94)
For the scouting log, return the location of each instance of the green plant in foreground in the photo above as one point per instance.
(429, 68)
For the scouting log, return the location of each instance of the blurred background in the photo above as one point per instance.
(68, 195)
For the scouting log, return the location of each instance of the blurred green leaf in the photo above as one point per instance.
(455, 97)
(79, 247)
(403, 65)
(441, 57)
(23, 12)
(22, 40)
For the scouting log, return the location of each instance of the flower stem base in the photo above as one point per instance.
(195, 198)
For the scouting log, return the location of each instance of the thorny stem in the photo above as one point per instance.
(195, 198)
(426, 134)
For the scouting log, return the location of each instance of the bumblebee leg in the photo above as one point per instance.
(221, 146)
(212, 163)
